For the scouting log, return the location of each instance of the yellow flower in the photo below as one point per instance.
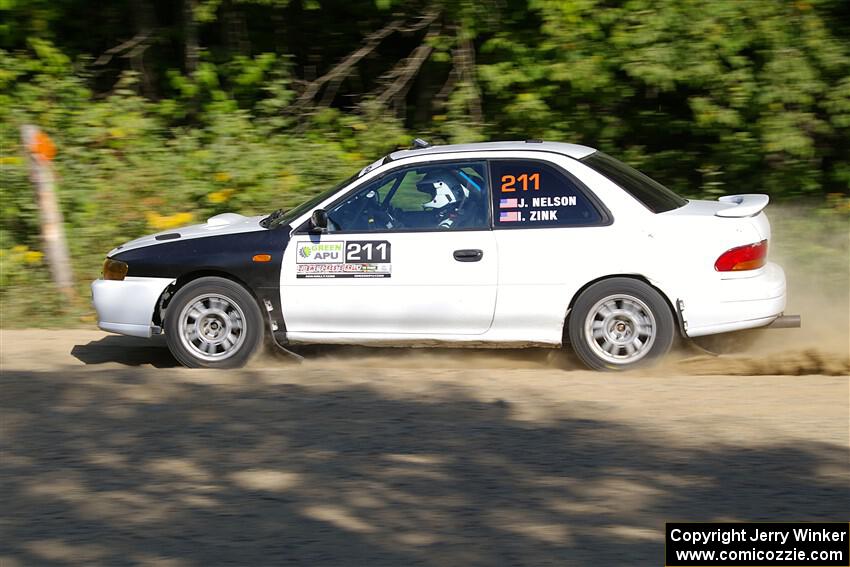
(33, 257)
(11, 160)
(220, 196)
(164, 222)
(222, 176)
(19, 249)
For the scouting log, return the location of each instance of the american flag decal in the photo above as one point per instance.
(509, 216)
(508, 203)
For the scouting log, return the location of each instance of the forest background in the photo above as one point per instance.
(166, 112)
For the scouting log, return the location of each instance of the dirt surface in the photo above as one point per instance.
(113, 455)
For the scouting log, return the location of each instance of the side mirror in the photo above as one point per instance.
(319, 221)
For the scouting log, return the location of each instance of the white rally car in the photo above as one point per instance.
(494, 244)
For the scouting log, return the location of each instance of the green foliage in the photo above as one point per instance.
(125, 168)
(710, 98)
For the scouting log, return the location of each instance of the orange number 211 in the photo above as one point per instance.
(509, 182)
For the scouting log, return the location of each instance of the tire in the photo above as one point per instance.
(213, 323)
(620, 323)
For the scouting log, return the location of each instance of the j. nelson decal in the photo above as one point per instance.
(534, 215)
(353, 259)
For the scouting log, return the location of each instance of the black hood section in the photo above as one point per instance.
(230, 253)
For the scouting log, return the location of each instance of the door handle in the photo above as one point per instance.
(469, 255)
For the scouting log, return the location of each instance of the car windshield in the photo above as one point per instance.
(652, 194)
(295, 212)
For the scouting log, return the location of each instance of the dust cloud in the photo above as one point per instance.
(816, 259)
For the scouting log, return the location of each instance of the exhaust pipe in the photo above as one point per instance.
(786, 322)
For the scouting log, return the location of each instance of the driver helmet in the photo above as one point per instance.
(443, 189)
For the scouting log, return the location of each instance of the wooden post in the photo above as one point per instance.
(41, 151)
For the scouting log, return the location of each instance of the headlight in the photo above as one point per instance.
(114, 270)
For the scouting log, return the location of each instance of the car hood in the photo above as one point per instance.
(225, 223)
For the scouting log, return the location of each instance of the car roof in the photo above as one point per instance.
(572, 150)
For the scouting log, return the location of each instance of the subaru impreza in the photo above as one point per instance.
(496, 244)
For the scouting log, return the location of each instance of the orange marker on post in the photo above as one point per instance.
(42, 146)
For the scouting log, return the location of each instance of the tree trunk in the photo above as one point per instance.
(145, 18)
(40, 151)
(234, 29)
(190, 29)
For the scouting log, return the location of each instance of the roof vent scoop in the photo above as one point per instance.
(420, 144)
(534, 141)
(224, 219)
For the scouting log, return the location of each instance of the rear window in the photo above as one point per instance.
(530, 194)
(654, 196)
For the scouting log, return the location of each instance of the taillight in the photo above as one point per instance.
(749, 257)
(114, 269)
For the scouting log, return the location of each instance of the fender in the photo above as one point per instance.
(229, 253)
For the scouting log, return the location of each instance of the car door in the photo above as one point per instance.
(553, 237)
(387, 265)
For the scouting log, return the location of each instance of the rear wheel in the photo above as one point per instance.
(620, 323)
(213, 323)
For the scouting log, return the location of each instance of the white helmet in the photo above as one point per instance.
(443, 189)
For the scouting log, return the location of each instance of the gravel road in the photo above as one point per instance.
(112, 455)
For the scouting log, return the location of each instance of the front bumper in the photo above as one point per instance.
(737, 303)
(127, 306)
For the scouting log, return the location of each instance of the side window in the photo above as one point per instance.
(361, 211)
(448, 196)
(530, 194)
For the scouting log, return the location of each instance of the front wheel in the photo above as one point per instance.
(213, 323)
(620, 323)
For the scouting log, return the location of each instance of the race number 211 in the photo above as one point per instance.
(509, 182)
(370, 251)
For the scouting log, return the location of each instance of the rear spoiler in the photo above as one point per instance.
(748, 205)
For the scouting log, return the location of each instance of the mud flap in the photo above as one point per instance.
(276, 334)
(683, 330)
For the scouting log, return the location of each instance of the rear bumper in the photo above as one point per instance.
(127, 307)
(736, 304)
